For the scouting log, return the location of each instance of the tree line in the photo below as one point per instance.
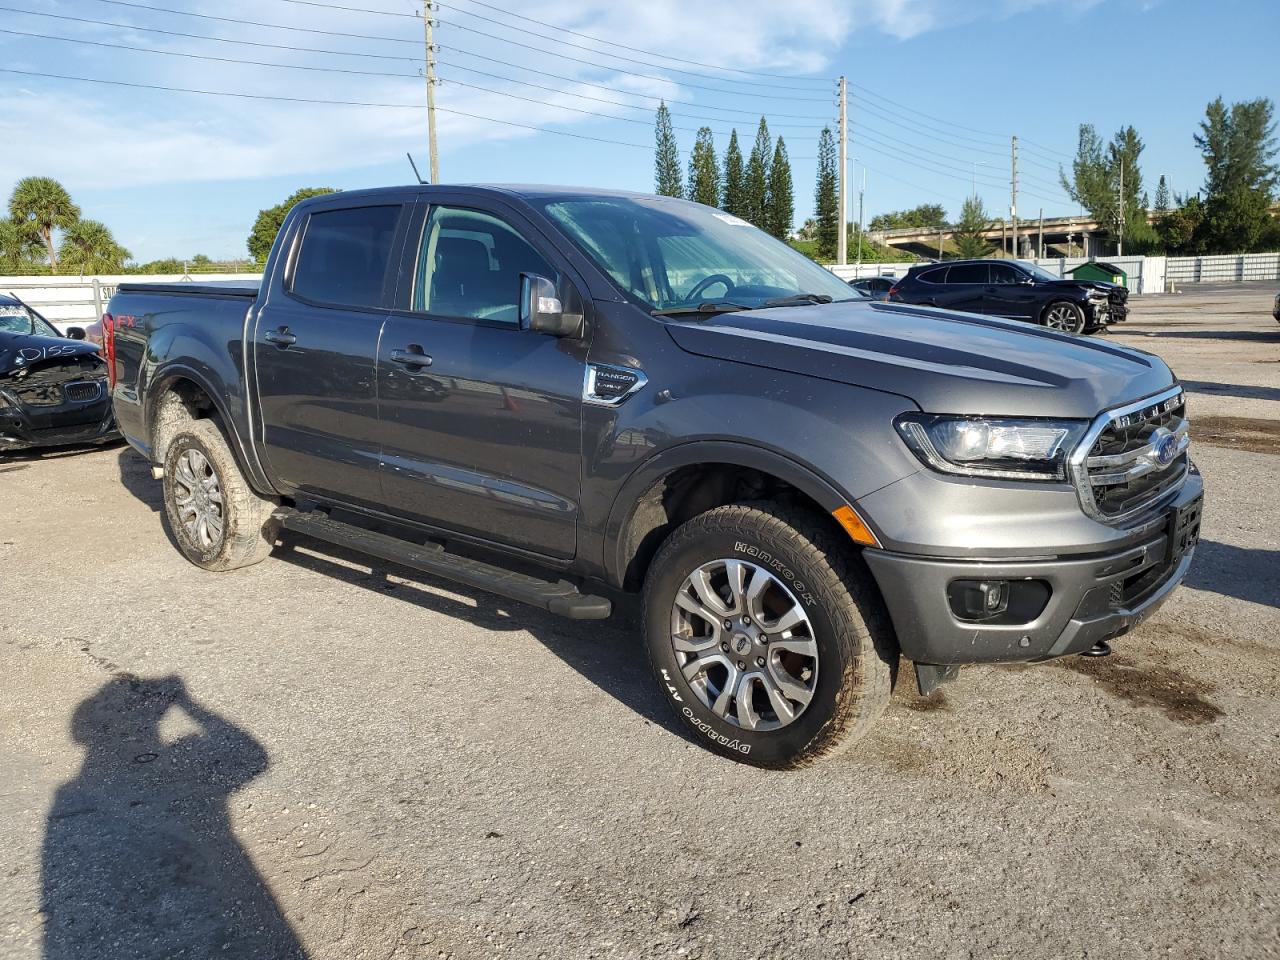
(758, 189)
(1230, 213)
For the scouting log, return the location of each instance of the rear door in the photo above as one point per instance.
(965, 288)
(481, 419)
(315, 350)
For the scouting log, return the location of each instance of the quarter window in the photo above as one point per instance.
(936, 275)
(469, 265)
(345, 254)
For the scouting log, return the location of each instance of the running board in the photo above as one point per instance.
(561, 598)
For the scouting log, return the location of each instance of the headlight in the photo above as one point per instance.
(1001, 447)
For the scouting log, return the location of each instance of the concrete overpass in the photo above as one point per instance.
(1063, 237)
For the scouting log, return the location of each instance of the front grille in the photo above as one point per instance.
(1138, 455)
(82, 392)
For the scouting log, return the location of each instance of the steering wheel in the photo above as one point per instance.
(708, 281)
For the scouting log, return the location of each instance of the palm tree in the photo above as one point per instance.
(89, 246)
(43, 205)
(17, 247)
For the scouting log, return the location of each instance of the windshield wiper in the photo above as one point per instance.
(708, 307)
(796, 299)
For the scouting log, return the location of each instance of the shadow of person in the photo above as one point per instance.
(139, 857)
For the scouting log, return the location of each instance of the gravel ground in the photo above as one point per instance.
(316, 758)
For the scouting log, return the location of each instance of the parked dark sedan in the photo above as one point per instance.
(875, 288)
(1017, 290)
(53, 389)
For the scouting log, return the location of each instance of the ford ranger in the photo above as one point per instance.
(562, 396)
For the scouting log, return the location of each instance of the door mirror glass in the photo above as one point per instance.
(541, 309)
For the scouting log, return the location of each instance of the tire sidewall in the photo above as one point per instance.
(197, 554)
(808, 584)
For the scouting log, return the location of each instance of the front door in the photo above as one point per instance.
(481, 420)
(1009, 294)
(966, 284)
(315, 353)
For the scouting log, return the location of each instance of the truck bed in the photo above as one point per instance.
(217, 288)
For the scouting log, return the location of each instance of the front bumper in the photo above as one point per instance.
(1090, 597)
(20, 429)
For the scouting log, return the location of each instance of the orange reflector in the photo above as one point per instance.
(854, 526)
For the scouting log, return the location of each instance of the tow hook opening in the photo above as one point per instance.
(1099, 649)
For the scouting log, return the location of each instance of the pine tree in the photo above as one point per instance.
(780, 204)
(826, 197)
(734, 179)
(967, 233)
(1239, 149)
(1162, 195)
(704, 170)
(666, 156)
(757, 186)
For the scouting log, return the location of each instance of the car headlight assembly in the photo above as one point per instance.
(999, 447)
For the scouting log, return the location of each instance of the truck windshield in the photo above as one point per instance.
(669, 253)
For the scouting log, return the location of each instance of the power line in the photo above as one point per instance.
(256, 23)
(562, 29)
(643, 63)
(623, 46)
(605, 66)
(200, 36)
(599, 86)
(625, 106)
(198, 56)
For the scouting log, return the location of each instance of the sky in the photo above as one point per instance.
(937, 88)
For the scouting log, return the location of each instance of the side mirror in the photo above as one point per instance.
(542, 311)
(75, 333)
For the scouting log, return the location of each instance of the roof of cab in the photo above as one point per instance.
(523, 191)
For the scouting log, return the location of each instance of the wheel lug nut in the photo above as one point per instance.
(728, 624)
(746, 621)
(759, 661)
(724, 647)
(741, 665)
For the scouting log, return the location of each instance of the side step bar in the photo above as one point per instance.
(561, 598)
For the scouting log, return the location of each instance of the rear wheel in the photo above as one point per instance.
(767, 635)
(1063, 316)
(217, 519)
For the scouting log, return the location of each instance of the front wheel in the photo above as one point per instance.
(768, 637)
(1063, 316)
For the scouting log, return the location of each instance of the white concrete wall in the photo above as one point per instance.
(76, 301)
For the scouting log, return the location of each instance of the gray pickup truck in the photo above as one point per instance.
(562, 396)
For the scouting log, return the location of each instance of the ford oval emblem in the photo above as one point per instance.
(1165, 446)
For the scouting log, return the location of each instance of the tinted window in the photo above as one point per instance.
(968, 273)
(936, 275)
(344, 256)
(469, 265)
(1004, 274)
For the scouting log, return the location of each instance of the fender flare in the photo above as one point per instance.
(710, 452)
(158, 385)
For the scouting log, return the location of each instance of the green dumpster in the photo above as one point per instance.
(1097, 270)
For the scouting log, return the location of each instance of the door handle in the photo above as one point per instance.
(413, 357)
(281, 337)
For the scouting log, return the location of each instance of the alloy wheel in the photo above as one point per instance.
(745, 645)
(197, 494)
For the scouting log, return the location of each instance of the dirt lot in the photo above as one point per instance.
(344, 762)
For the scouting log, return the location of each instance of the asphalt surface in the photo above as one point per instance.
(316, 757)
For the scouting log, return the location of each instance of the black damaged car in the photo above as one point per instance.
(53, 389)
(1016, 290)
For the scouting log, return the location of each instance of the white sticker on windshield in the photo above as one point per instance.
(730, 219)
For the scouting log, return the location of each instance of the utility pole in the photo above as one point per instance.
(1040, 241)
(842, 243)
(1120, 242)
(428, 23)
(1013, 192)
(861, 194)
(940, 243)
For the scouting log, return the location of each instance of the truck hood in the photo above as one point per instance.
(945, 362)
(21, 352)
